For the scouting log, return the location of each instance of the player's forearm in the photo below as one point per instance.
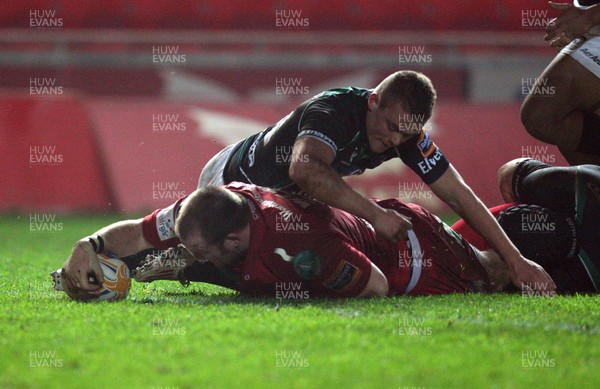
(458, 195)
(121, 238)
(478, 216)
(470, 208)
(322, 182)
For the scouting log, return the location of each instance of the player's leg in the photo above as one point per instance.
(587, 215)
(560, 109)
(164, 265)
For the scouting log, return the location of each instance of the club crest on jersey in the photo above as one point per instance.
(307, 264)
(425, 144)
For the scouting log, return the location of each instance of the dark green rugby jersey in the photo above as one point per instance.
(337, 117)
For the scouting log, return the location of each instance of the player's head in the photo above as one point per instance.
(541, 234)
(209, 224)
(506, 174)
(399, 107)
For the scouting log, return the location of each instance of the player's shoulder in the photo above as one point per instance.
(420, 145)
(345, 92)
(279, 202)
(242, 187)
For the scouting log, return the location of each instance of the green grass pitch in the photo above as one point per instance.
(168, 336)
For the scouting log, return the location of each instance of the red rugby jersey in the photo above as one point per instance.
(303, 248)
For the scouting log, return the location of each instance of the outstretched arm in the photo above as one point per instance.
(525, 274)
(121, 238)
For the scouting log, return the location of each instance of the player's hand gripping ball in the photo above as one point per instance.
(117, 280)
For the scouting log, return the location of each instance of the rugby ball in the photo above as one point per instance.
(117, 279)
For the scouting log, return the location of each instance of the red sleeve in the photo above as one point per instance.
(471, 235)
(346, 271)
(159, 227)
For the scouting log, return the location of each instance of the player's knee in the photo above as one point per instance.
(505, 179)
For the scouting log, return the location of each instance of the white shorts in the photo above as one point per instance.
(212, 174)
(586, 52)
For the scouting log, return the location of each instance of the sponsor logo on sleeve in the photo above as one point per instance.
(344, 277)
(427, 164)
(425, 144)
(591, 56)
(165, 223)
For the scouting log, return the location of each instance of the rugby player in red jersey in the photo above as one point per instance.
(259, 240)
(563, 106)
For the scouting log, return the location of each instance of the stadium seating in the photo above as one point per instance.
(260, 15)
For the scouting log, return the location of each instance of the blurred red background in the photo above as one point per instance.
(117, 105)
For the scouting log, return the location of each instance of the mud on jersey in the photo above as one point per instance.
(338, 118)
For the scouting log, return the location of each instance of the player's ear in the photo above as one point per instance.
(373, 101)
(232, 241)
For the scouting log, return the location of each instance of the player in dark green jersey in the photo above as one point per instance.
(344, 131)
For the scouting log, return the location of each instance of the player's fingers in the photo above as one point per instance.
(550, 33)
(68, 281)
(82, 279)
(550, 285)
(401, 235)
(397, 234)
(405, 221)
(73, 289)
(560, 42)
(544, 285)
(96, 272)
